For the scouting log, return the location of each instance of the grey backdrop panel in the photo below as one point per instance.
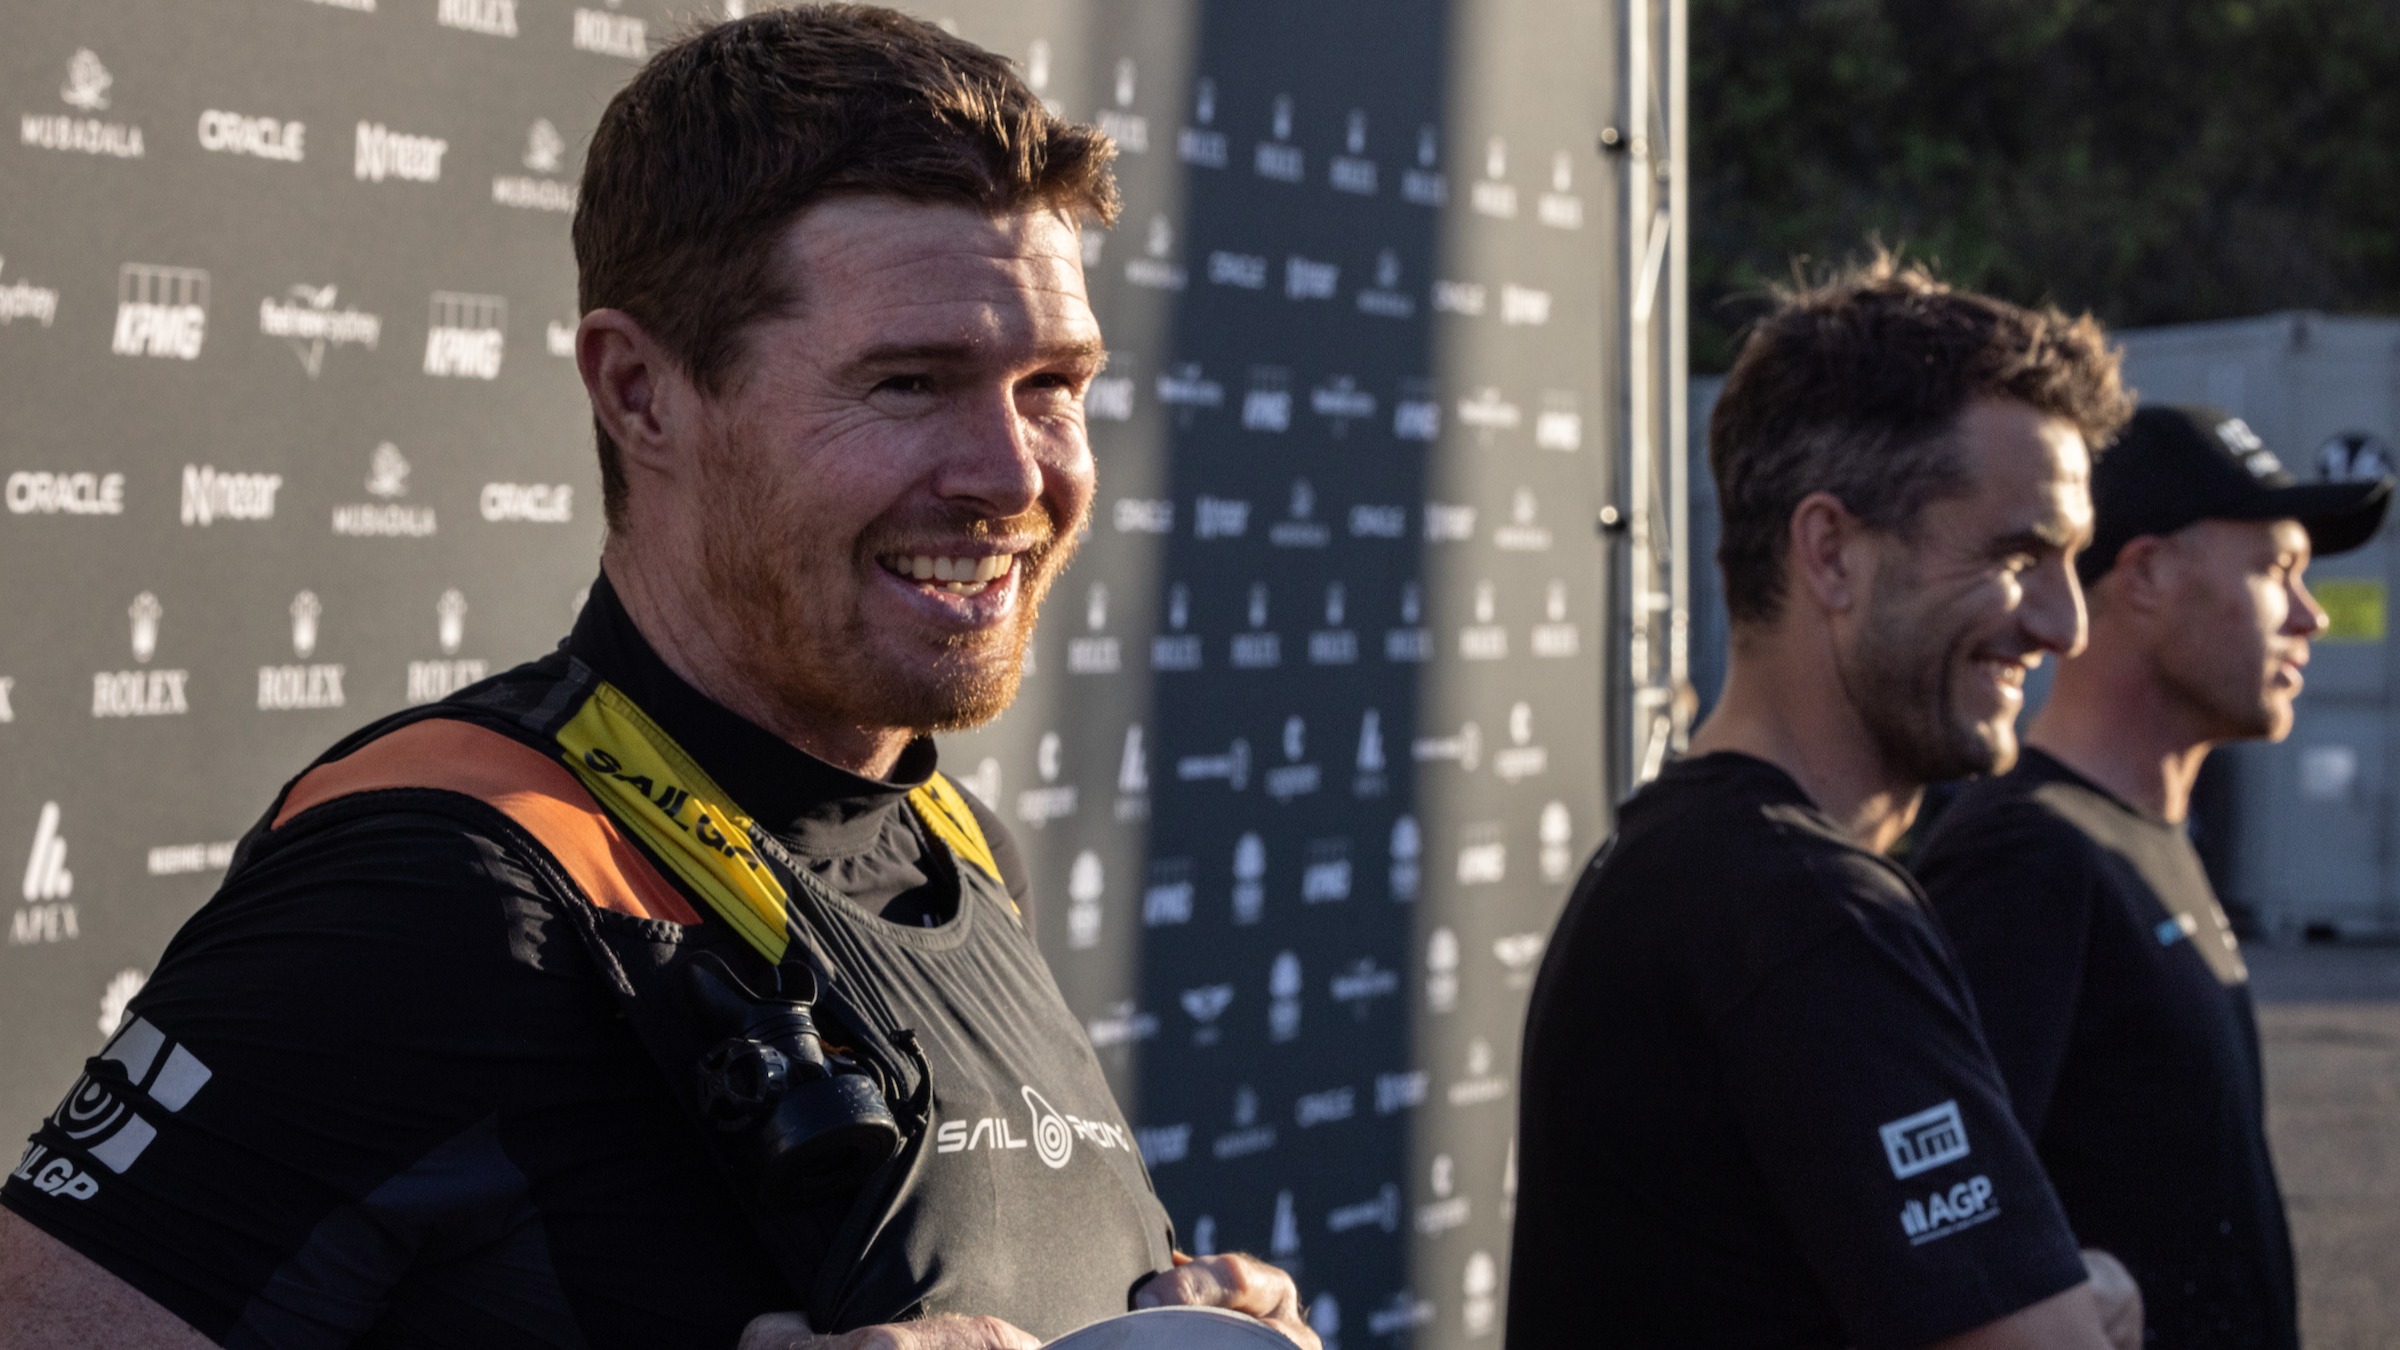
(1311, 746)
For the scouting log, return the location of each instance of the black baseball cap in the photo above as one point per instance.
(2172, 466)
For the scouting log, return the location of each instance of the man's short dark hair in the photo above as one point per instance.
(1853, 386)
(700, 163)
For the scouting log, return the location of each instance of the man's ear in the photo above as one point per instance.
(2146, 576)
(639, 395)
(1823, 560)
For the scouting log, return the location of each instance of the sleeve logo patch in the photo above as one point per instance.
(1945, 1212)
(99, 1114)
(1926, 1140)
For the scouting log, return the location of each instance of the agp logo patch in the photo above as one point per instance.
(1924, 1141)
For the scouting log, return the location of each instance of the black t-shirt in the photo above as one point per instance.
(384, 1098)
(1757, 1110)
(2115, 1000)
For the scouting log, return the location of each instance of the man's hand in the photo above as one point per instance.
(790, 1331)
(2120, 1299)
(1239, 1283)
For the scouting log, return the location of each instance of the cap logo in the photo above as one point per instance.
(2248, 448)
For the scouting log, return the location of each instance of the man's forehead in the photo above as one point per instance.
(889, 240)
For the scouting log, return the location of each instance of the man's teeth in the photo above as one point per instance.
(963, 576)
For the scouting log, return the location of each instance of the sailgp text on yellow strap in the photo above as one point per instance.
(644, 779)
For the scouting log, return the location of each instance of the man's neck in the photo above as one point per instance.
(681, 624)
(2112, 722)
(1794, 715)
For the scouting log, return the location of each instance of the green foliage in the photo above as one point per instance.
(2153, 161)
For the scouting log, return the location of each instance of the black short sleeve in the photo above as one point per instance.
(364, 1082)
(1887, 1145)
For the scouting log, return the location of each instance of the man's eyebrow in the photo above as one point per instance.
(2033, 538)
(1091, 350)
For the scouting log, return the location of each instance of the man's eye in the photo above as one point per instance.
(904, 384)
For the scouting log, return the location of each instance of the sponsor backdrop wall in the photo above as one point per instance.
(1311, 745)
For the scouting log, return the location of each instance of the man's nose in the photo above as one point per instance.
(2307, 617)
(993, 458)
(2053, 613)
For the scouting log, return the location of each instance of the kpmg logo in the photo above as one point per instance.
(233, 133)
(537, 190)
(465, 336)
(210, 496)
(387, 479)
(287, 688)
(308, 320)
(161, 311)
(141, 693)
(1924, 1141)
(380, 153)
(24, 300)
(492, 18)
(86, 91)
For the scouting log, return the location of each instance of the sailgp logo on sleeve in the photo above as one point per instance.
(1926, 1140)
(99, 1115)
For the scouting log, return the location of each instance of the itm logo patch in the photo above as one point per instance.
(1926, 1140)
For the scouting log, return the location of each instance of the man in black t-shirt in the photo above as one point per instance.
(418, 1075)
(1757, 1107)
(2111, 988)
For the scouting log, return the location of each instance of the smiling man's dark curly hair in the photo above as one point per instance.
(700, 163)
(1854, 386)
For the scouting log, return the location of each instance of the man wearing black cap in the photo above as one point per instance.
(2111, 988)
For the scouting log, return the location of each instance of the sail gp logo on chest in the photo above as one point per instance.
(1050, 1132)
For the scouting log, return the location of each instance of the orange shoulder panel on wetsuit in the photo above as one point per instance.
(522, 783)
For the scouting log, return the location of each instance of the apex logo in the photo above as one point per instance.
(1924, 1141)
(46, 874)
(161, 311)
(466, 336)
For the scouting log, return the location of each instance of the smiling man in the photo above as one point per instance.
(1757, 1107)
(2111, 987)
(660, 992)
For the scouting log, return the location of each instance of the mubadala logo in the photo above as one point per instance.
(493, 18)
(161, 311)
(387, 478)
(381, 153)
(544, 148)
(539, 503)
(24, 300)
(1924, 1141)
(141, 693)
(1943, 1212)
(210, 496)
(86, 91)
(233, 133)
(294, 687)
(465, 336)
(308, 320)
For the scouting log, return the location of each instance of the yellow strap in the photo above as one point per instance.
(945, 811)
(654, 789)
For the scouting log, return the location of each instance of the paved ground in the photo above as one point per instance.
(2330, 1020)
